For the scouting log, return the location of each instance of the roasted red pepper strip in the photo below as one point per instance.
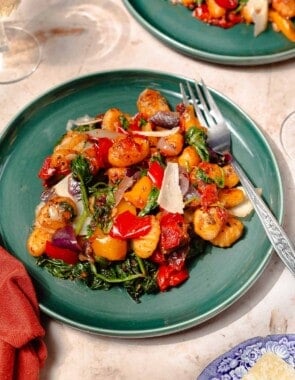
(46, 170)
(129, 226)
(65, 254)
(102, 147)
(168, 277)
(227, 4)
(156, 173)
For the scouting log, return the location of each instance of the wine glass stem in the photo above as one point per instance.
(3, 38)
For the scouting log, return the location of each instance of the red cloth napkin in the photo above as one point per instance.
(22, 350)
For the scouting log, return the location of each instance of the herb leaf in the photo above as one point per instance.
(81, 171)
(197, 138)
(151, 203)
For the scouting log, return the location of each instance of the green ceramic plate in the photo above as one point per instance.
(175, 26)
(217, 279)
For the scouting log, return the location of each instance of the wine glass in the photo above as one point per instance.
(19, 50)
(80, 32)
(288, 135)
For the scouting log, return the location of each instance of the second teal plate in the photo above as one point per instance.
(175, 26)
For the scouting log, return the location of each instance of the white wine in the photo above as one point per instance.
(7, 6)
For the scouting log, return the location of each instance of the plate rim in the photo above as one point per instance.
(183, 325)
(209, 57)
(254, 340)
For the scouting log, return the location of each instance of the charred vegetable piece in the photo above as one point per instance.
(67, 255)
(173, 232)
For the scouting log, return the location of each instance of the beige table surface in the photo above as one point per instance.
(265, 93)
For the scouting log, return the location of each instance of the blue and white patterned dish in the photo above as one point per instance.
(234, 364)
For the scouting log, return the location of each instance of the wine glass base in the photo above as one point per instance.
(22, 57)
(288, 135)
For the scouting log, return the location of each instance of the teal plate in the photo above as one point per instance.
(217, 279)
(175, 26)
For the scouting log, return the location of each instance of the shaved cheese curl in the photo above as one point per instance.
(162, 133)
(170, 197)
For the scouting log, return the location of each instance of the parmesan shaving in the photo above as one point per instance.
(104, 133)
(163, 133)
(170, 196)
(258, 11)
(245, 208)
(83, 120)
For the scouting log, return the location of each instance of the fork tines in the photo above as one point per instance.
(205, 106)
(186, 101)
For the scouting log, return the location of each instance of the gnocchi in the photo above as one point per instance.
(137, 192)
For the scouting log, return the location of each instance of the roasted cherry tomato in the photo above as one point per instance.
(173, 231)
(208, 192)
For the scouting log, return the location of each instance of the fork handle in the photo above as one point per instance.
(280, 241)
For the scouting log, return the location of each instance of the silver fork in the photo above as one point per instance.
(219, 139)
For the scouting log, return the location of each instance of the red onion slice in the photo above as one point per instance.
(165, 119)
(123, 186)
(66, 238)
